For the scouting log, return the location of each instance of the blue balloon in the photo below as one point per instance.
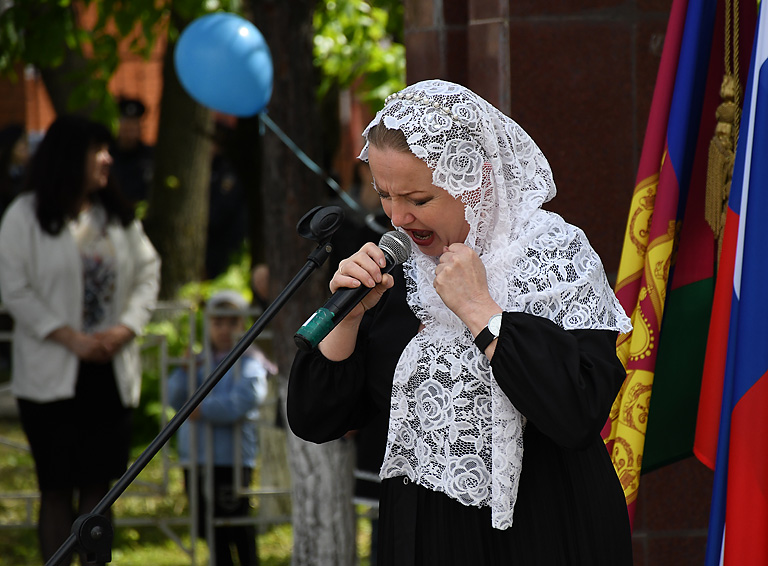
(224, 63)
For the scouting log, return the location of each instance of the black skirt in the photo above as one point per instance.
(80, 441)
(555, 523)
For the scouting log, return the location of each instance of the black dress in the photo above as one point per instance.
(570, 508)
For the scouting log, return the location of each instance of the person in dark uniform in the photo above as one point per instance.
(227, 209)
(133, 159)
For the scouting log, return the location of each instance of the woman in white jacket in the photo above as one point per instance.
(80, 279)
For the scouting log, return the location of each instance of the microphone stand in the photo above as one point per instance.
(92, 533)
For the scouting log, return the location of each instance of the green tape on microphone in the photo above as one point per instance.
(314, 330)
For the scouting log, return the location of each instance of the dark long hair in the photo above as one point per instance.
(57, 174)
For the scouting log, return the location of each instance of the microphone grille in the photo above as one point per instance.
(397, 244)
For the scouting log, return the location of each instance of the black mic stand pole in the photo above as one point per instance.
(92, 532)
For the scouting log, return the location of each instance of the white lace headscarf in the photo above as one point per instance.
(451, 427)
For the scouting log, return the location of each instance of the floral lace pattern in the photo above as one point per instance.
(451, 427)
(99, 268)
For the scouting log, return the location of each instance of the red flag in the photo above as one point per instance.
(652, 230)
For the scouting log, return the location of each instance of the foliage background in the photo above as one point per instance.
(357, 45)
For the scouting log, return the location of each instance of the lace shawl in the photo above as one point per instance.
(451, 427)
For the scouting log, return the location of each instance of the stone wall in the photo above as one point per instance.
(578, 75)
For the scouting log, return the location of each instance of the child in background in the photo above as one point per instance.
(231, 408)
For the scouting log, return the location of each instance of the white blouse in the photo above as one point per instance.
(42, 285)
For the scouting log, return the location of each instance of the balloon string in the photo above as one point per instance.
(370, 219)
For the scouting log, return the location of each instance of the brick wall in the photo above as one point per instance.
(578, 75)
(672, 515)
(12, 100)
(26, 100)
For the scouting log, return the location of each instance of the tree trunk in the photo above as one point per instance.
(177, 217)
(323, 516)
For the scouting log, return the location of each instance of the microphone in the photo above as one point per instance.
(396, 247)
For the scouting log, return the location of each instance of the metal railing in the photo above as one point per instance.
(162, 362)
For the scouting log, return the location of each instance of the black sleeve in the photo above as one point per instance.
(563, 382)
(326, 399)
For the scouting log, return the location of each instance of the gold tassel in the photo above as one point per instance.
(722, 147)
(721, 158)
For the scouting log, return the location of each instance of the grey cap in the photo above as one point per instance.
(227, 298)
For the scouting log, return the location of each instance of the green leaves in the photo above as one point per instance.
(360, 40)
(34, 32)
(45, 33)
(357, 42)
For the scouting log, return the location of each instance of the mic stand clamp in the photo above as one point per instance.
(94, 536)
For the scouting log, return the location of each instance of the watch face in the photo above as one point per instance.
(494, 324)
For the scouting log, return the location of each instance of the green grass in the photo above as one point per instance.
(133, 545)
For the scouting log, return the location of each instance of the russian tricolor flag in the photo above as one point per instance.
(733, 436)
